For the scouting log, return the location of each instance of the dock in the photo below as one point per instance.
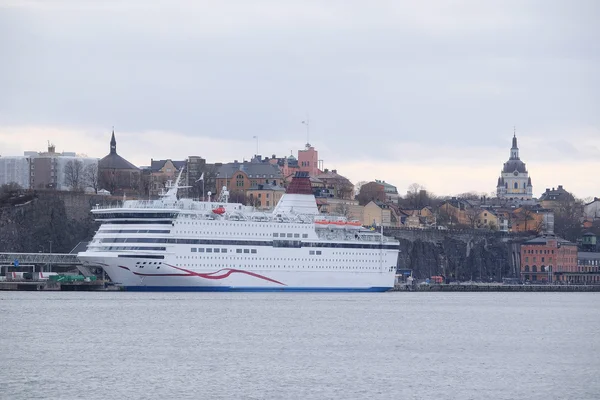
(97, 285)
(496, 288)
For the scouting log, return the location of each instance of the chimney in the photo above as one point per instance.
(334, 171)
(560, 187)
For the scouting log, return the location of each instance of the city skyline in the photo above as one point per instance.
(399, 91)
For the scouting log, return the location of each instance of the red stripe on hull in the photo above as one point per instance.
(220, 274)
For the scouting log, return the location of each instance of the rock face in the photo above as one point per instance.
(28, 226)
(459, 256)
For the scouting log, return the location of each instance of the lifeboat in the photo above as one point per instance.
(219, 210)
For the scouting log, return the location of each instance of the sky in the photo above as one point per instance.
(402, 91)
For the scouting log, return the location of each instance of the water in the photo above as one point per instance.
(299, 346)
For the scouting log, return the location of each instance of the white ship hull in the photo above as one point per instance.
(131, 274)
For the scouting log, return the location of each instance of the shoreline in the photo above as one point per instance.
(496, 288)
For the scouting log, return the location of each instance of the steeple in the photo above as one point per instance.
(514, 151)
(113, 143)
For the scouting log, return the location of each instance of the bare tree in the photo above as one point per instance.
(568, 218)
(343, 209)
(358, 186)
(472, 214)
(416, 196)
(91, 176)
(74, 174)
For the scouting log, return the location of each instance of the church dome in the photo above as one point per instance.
(514, 165)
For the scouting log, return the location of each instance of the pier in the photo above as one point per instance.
(496, 288)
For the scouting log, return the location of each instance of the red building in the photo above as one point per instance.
(548, 258)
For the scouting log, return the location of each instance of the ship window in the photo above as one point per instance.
(246, 250)
(253, 251)
(216, 250)
(209, 250)
(275, 234)
(200, 250)
(289, 235)
(296, 235)
(318, 252)
(305, 235)
(223, 250)
(193, 249)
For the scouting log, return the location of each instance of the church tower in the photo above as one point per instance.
(514, 181)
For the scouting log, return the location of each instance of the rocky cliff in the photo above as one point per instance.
(463, 256)
(31, 222)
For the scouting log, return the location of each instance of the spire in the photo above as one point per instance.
(514, 151)
(113, 143)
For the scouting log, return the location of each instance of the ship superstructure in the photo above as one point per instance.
(182, 244)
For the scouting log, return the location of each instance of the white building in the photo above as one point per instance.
(591, 210)
(45, 170)
(514, 181)
(15, 169)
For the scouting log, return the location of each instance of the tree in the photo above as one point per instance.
(468, 196)
(343, 209)
(358, 186)
(74, 174)
(525, 215)
(472, 214)
(568, 218)
(91, 176)
(416, 196)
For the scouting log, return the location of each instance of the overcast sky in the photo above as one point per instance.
(404, 91)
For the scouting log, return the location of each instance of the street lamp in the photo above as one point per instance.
(50, 260)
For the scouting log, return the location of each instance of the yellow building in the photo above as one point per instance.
(264, 197)
(487, 219)
(377, 213)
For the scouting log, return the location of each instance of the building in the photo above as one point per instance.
(532, 219)
(591, 210)
(238, 177)
(457, 211)
(50, 170)
(163, 171)
(588, 269)
(514, 180)
(308, 160)
(15, 170)
(488, 219)
(589, 242)
(552, 198)
(264, 196)
(117, 175)
(344, 207)
(337, 185)
(377, 213)
(371, 191)
(549, 259)
(391, 191)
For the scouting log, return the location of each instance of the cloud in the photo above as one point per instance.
(434, 85)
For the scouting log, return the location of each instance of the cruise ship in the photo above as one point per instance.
(174, 244)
